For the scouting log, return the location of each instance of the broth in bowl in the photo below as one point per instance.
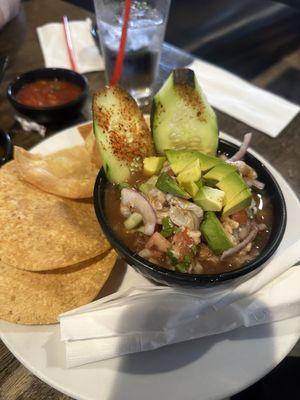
(178, 242)
(180, 205)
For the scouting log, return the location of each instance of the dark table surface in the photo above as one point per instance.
(19, 41)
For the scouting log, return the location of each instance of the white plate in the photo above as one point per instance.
(208, 368)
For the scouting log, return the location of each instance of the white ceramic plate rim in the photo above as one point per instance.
(289, 330)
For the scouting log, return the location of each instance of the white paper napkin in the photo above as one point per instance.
(236, 97)
(144, 316)
(54, 48)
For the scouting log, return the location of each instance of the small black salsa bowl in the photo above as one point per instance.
(174, 278)
(49, 114)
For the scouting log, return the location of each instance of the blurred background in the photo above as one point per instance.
(246, 37)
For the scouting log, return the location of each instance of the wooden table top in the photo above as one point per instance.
(19, 41)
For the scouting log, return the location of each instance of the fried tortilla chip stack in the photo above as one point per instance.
(53, 255)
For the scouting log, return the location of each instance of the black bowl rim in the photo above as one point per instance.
(71, 103)
(186, 278)
(8, 147)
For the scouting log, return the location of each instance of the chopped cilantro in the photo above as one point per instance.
(167, 227)
(257, 238)
(172, 257)
(183, 266)
(194, 249)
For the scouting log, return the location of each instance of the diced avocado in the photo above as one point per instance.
(238, 203)
(133, 221)
(232, 185)
(215, 234)
(191, 188)
(191, 173)
(148, 185)
(153, 165)
(181, 117)
(218, 172)
(207, 162)
(121, 132)
(209, 199)
(200, 183)
(168, 185)
(179, 159)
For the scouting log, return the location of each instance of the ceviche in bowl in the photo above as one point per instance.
(180, 205)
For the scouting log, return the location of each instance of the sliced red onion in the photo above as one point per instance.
(132, 199)
(242, 245)
(243, 149)
(259, 185)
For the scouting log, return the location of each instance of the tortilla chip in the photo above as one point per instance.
(68, 172)
(39, 297)
(40, 231)
(93, 149)
(85, 130)
(87, 134)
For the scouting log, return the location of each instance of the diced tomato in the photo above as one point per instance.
(157, 241)
(182, 244)
(241, 217)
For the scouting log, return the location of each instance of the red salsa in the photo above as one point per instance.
(45, 93)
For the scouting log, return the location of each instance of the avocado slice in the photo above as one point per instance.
(218, 172)
(232, 185)
(215, 234)
(191, 173)
(121, 132)
(207, 162)
(148, 185)
(200, 183)
(210, 199)
(238, 203)
(179, 159)
(167, 184)
(181, 117)
(191, 188)
(153, 165)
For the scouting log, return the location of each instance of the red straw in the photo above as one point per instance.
(120, 56)
(69, 43)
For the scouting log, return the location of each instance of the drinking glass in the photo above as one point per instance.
(146, 29)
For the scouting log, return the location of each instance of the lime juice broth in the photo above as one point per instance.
(136, 241)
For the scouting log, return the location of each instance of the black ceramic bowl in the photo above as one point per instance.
(6, 147)
(175, 278)
(46, 115)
